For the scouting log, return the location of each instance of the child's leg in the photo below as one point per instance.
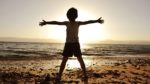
(82, 65)
(62, 66)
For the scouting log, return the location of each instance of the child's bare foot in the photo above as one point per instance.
(57, 80)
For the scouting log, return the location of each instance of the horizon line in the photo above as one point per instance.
(49, 40)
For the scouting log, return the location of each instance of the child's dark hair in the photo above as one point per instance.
(72, 13)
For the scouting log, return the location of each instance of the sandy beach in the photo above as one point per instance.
(100, 70)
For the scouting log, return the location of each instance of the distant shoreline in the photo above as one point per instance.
(46, 40)
(123, 43)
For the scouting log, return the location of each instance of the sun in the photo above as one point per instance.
(90, 33)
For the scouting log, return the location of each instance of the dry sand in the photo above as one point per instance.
(101, 70)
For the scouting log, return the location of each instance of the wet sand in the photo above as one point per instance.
(100, 70)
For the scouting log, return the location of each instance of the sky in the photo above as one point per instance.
(125, 20)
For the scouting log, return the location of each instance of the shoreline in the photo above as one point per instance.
(60, 57)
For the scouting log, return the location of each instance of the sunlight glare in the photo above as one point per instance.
(92, 32)
(56, 32)
(87, 33)
(73, 63)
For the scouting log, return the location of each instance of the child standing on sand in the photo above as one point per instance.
(72, 46)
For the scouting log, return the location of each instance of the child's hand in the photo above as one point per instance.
(42, 23)
(100, 20)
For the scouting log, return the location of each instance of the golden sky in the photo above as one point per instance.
(124, 19)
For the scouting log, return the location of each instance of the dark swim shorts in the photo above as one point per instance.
(71, 49)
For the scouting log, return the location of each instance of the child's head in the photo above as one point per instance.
(72, 14)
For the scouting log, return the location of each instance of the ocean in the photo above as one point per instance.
(29, 49)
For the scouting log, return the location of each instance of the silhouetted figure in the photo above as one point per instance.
(72, 46)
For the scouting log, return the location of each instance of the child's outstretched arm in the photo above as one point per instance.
(51, 22)
(92, 21)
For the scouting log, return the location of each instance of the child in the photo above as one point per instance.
(72, 46)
